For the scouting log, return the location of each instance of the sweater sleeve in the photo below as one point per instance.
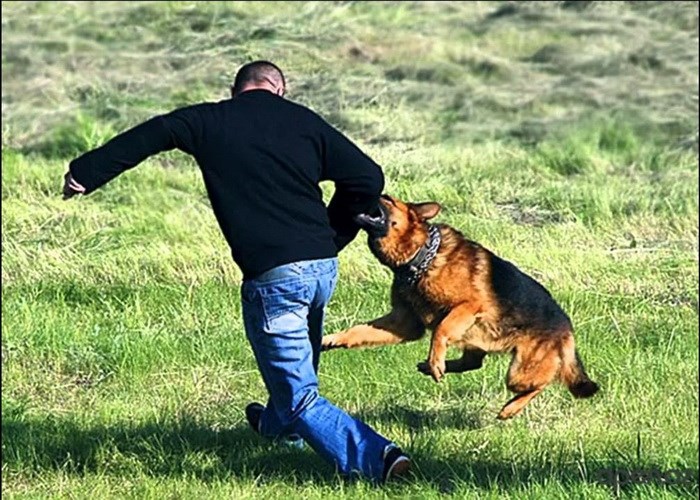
(161, 133)
(358, 183)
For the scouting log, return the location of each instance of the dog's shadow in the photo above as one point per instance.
(188, 448)
(417, 421)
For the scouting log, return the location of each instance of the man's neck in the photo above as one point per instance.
(265, 87)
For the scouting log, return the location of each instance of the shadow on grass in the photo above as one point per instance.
(188, 448)
(419, 420)
(619, 476)
(168, 449)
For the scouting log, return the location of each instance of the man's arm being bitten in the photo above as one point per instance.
(358, 183)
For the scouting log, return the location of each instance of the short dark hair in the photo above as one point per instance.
(257, 72)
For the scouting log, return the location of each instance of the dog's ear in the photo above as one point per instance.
(426, 210)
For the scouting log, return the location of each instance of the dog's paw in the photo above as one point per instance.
(505, 414)
(436, 369)
(423, 367)
(331, 341)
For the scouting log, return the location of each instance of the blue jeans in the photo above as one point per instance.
(283, 314)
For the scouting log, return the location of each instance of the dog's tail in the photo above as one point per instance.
(572, 372)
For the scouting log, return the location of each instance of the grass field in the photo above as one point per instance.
(563, 136)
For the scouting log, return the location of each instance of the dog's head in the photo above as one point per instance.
(398, 229)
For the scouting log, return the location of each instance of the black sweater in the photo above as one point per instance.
(262, 158)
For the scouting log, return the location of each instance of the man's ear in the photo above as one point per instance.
(426, 210)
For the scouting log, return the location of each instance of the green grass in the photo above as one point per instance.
(562, 136)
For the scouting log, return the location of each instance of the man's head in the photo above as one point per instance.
(259, 75)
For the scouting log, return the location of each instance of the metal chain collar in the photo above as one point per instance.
(412, 271)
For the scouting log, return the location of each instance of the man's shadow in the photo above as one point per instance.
(171, 449)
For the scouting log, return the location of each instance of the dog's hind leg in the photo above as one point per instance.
(516, 404)
(472, 359)
(535, 363)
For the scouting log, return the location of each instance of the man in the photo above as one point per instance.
(262, 158)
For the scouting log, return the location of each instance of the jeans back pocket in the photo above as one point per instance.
(285, 306)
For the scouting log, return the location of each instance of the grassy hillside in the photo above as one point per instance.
(561, 135)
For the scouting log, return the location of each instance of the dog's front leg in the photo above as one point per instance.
(399, 325)
(449, 330)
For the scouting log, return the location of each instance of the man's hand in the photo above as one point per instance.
(71, 186)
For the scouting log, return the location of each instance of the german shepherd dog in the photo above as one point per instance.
(469, 298)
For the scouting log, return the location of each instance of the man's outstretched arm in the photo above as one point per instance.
(99, 166)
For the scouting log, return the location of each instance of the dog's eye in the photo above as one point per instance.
(393, 223)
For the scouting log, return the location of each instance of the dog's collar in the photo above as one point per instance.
(411, 271)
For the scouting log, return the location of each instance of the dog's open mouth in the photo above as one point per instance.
(374, 223)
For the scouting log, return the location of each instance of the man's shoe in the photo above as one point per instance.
(396, 464)
(254, 411)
